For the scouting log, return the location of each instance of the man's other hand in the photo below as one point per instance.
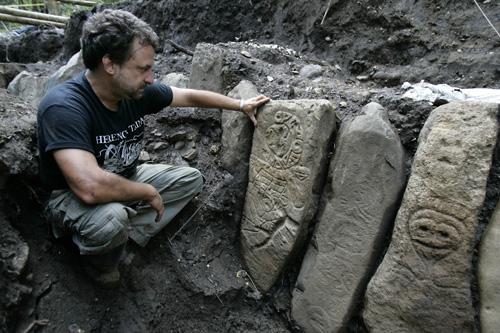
(156, 203)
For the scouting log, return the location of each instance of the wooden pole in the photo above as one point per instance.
(33, 15)
(80, 2)
(26, 20)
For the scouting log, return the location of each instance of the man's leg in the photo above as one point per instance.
(99, 232)
(177, 186)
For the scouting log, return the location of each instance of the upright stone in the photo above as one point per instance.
(71, 68)
(286, 166)
(206, 74)
(206, 68)
(237, 133)
(423, 283)
(365, 182)
(489, 275)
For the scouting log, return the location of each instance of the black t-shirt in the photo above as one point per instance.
(72, 116)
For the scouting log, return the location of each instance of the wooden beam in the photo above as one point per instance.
(26, 5)
(80, 2)
(26, 20)
(34, 15)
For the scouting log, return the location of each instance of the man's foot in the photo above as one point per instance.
(103, 268)
(105, 279)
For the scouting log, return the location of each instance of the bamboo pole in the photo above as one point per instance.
(26, 5)
(80, 2)
(26, 20)
(33, 15)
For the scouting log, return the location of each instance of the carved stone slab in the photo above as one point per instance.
(286, 164)
(365, 184)
(489, 275)
(423, 283)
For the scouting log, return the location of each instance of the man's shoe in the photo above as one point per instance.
(105, 279)
(103, 268)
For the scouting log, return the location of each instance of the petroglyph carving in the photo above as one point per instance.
(284, 140)
(278, 179)
(434, 234)
(286, 163)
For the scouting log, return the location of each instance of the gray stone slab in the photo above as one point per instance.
(423, 283)
(287, 163)
(206, 74)
(489, 275)
(206, 68)
(365, 184)
(237, 133)
(73, 67)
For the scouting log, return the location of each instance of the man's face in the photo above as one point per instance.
(134, 74)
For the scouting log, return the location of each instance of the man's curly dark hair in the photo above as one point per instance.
(112, 32)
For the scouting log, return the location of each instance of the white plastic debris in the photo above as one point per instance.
(424, 91)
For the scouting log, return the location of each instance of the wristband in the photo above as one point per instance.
(242, 103)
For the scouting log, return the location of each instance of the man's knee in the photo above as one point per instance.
(196, 179)
(104, 231)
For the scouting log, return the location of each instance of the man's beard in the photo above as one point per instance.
(127, 92)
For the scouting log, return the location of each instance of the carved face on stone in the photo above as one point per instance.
(284, 139)
(434, 234)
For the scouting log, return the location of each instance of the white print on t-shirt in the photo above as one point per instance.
(120, 153)
(103, 139)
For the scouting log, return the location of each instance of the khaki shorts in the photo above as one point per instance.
(97, 229)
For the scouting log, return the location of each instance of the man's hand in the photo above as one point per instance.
(156, 203)
(249, 106)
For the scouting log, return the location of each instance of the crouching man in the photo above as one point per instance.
(90, 135)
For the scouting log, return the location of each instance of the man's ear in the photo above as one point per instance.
(108, 65)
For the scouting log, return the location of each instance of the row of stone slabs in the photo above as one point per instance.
(423, 282)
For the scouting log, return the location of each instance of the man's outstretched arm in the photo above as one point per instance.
(208, 99)
(93, 185)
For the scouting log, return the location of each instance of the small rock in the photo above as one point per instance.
(311, 71)
(159, 145)
(318, 91)
(144, 156)
(74, 328)
(246, 54)
(178, 136)
(214, 149)
(362, 78)
(178, 80)
(270, 78)
(343, 104)
(337, 67)
(328, 38)
(179, 145)
(190, 155)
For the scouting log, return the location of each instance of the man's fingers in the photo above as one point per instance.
(252, 118)
(251, 105)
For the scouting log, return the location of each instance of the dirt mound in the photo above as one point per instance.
(440, 42)
(30, 44)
